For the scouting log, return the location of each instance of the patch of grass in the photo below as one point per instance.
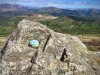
(5, 31)
(92, 48)
(67, 25)
(8, 25)
(1, 43)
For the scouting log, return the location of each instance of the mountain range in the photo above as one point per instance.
(11, 7)
(51, 10)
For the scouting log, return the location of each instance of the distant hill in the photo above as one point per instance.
(68, 12)
(12, 10)
(95, 13)
(11, 7)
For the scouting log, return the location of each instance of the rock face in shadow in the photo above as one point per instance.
(57, 54)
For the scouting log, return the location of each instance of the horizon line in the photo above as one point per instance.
(48, 6)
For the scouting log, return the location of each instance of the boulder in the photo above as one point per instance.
(57, 53)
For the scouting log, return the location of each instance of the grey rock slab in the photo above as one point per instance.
(57, 54)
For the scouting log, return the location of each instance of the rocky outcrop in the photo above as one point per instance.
(57, 54)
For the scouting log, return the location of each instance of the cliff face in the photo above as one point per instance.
(57, 54)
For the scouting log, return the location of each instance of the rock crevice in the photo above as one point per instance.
(46, 42)
(64, 55)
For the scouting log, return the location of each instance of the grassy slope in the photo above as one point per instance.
(68, 25)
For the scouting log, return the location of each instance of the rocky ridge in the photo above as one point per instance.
(57, 54)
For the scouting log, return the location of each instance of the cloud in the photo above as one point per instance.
(54, 2)
(28, 0)
(38, 1)
(19, 0)
(80, 3)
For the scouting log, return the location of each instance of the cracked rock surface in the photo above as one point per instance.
(57, 54)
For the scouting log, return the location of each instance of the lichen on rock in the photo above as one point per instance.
(57, 54)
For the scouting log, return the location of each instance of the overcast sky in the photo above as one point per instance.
(57, 3)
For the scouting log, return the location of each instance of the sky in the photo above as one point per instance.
(57, 3)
